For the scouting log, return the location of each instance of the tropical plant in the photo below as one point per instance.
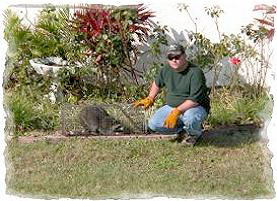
(17, 35)
(109, 35)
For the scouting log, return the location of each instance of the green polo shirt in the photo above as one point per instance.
(189, 84)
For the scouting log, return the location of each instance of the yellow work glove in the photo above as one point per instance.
(171, 120)
(146, 102)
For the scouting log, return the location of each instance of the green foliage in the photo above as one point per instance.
(239, 107)
(17, 35)
(39, 40)
(214, 11)
(201, 51)
(47, 34)
(108, 35)
(28, 115)
(43, 38)
(84, 83)
(105, 42)
(209, 55)
(255, 34)
(110, 52)
(19, 75)
(106, 60)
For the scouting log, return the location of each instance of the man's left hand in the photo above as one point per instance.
(171, 120)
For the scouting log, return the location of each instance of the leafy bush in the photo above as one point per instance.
(108, 35)
(25, 43)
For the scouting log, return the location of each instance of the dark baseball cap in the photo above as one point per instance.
(175, 50)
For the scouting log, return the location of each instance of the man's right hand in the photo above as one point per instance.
(146, 102)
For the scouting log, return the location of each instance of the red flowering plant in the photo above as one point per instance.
(261, 33)
(234, 60)
(264, 28)
(267, 22)
(234, 81)
(108, 33)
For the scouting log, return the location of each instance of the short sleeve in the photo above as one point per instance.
(160, 78)
(197, 87)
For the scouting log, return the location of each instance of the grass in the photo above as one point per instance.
(25, 113)
(239, 107)
(99, 169)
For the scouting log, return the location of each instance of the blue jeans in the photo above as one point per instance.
(190, 121)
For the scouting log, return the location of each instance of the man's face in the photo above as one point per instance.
(178, 62)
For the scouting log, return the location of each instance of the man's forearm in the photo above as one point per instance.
(154, 90)
(187, 104)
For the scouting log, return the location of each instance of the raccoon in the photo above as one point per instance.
(95, 119)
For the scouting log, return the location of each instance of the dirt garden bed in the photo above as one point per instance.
(223, 135)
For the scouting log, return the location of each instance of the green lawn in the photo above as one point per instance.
(105, 168)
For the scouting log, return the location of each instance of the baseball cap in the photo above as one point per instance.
(175, 50)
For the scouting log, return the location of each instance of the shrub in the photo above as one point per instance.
(109, 35)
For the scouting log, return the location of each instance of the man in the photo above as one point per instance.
(187, 102)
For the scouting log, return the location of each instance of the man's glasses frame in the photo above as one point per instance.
(176, 57)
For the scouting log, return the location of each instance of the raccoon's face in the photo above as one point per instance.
(117, 128)
(98, 120)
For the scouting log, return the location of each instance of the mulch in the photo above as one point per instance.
(63, 135)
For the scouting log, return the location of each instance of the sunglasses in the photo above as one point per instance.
(176, 57)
